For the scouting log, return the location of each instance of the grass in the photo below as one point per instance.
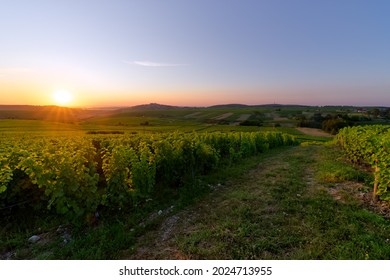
(277, 214)
(334, 168)
(116, 232)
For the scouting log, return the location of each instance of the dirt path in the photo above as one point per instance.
(313, 132)
(162, 242)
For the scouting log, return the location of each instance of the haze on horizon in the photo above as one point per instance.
(195, 53)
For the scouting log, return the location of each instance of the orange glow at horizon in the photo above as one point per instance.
(82, 97)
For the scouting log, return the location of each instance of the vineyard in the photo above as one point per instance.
(370, 145)
(73, 176)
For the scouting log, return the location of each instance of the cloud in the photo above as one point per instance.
(153, 64)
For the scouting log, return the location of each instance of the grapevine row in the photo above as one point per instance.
(75, 175)
(370, 145)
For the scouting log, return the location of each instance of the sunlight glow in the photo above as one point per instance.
(62, 97)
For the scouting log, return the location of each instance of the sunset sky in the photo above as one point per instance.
(195, 53)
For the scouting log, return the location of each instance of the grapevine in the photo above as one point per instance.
(75, 175)
(370, 145)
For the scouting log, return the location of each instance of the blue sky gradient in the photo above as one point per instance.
(114, 52)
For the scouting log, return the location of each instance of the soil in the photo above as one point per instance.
(243, 117)
(222, 117)
(313, 132)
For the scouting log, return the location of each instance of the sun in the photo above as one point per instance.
(62, 97)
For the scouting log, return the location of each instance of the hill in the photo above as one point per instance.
(47, 113)
(152, 106)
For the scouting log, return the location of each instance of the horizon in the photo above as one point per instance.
(195, 53)
(189, 106)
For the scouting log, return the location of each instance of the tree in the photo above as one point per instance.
(333, 125)
(375, 112)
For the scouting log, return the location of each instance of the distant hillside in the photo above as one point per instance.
(49, 113)
(243, 106)
(152, 106)
(227, 106)
(160, 107)
(19, 107)
(64, 114)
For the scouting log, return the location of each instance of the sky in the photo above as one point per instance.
(195, 52)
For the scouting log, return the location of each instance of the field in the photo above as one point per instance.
(224, 182)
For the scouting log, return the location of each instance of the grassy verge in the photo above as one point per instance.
(285, 211)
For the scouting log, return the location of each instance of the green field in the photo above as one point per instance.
(158, 120)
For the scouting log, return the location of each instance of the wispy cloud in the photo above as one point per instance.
(147, 63)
